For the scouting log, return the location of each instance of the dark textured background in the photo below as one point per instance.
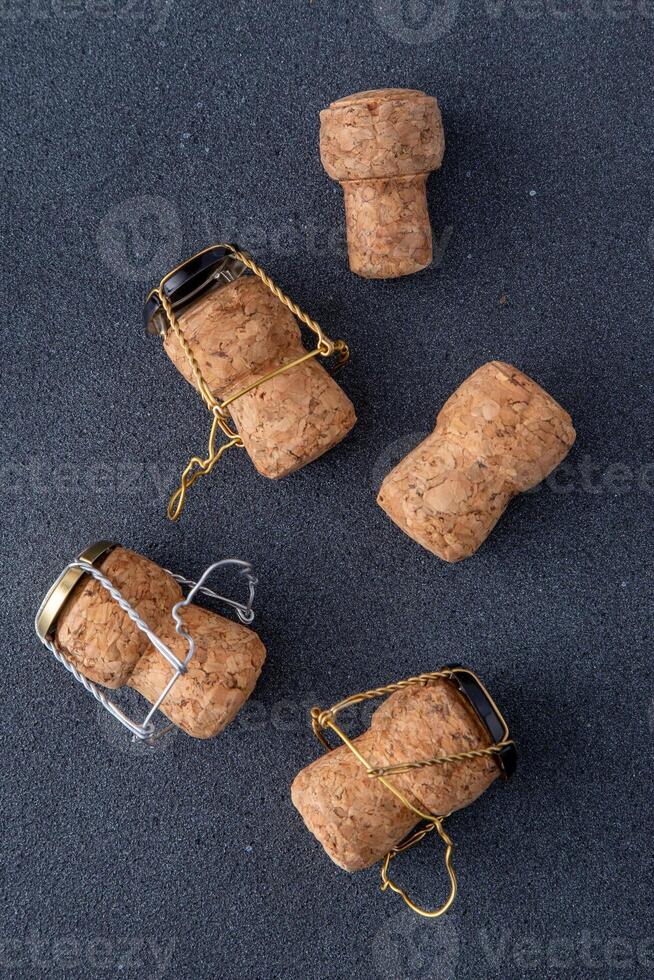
(131, 138)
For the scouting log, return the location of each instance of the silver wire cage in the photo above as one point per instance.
(144, 731)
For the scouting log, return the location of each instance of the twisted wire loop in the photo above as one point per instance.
(325, 347)
(146, 731)
(387, 882)
(325, 718)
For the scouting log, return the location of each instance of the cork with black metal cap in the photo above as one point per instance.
(233, 334)
(436, 744)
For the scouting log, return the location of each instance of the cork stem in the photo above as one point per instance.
(388, 227)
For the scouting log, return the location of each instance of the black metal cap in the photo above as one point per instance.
(488, 713)
(190, 279)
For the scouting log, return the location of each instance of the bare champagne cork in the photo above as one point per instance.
(97, 636)
(355, 817)
(498, 435)
(381, 145)
(238, 333)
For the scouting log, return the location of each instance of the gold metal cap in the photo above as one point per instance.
(59, 593)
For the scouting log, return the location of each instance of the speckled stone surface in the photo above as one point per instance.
(132, 138)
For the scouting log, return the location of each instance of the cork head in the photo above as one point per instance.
(373, 97)
(95, 634)
(510, 423)
(498, 435)
(381, 133)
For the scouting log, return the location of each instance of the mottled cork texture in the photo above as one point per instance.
(239, 333)
(498, 435)
(94, 633)
(355, 817)
(381, 146)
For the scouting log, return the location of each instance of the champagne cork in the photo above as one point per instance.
(355, 817)
(498, 435)
(238, 333)
(99, 639)
(381, 145)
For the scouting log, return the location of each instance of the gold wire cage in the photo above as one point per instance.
(221, 423)
(503, 749)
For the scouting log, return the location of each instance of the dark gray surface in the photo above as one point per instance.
(129, 143)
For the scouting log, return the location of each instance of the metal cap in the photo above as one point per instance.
(488, 713)
(189, 280)
(59, 592)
